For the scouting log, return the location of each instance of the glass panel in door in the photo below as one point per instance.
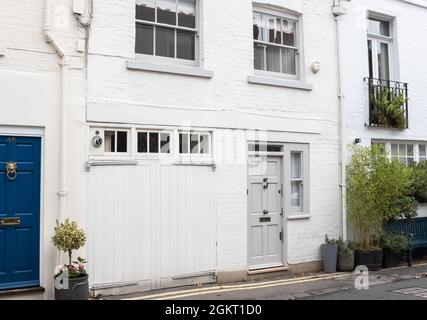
(383, 61)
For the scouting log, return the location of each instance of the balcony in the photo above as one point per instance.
(388, 103)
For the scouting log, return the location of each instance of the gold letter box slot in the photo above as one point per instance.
(10, 221)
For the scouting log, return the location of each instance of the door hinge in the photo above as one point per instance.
(281, 212)
(281, 235)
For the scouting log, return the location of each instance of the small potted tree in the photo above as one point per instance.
(71, 280)
(345, 256)
(394, 244)
(378, 191)
(329, 251)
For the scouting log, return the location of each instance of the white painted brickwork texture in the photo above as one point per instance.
(226, 39)
(409, 55)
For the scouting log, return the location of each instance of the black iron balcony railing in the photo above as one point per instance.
(388, 103)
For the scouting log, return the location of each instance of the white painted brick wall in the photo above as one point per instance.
(410, 52)
(228, 52)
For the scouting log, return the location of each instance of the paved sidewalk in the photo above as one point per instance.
(311, 286)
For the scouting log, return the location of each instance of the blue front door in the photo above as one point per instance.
(19, 211)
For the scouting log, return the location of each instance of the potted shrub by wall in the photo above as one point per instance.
(390, 108)
(378, 191)
(329, 251)
(345, 256)
(394, 245)
(71, 280)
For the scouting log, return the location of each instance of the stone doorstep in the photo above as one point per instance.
(34, 293)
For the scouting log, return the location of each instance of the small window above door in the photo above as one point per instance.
(379, 27)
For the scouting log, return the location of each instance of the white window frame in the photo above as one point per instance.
(303, 210)
(128, 144)
(148, 155)
(167, 60)
(387, 144)
(376, 41)
(194, 156)
(282, 14)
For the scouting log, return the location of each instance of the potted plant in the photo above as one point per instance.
(378, 191)
(345, 256)
(329, 251)
(71, 280)
(394, 244)
(389, 108)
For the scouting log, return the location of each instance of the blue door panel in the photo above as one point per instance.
(25, 152)
(23, 201)
(2, 194)
(23, 261)
(2, 151)
(3, 245)
(20, 198)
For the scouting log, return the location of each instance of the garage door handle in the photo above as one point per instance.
(265, 212)
(10, 222)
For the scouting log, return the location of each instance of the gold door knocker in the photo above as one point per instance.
(11, 170)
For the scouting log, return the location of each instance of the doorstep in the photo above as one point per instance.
(34, 293)
(268, 270)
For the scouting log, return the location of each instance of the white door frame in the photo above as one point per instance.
(36, 132)
(284, 244)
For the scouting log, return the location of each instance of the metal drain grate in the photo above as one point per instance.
(414, 291)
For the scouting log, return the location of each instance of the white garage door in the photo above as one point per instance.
(151, 223)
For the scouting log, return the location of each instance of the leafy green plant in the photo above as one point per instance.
(344, 248)
(395, 242)
(68, 237)
(389, 108)
(378, 191)
(330, 241)
(419, 182)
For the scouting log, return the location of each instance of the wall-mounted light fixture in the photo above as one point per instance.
(315, 67)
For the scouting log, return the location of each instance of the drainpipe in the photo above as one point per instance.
(339, 11)
(62, 192)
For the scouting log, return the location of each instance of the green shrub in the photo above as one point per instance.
(344, 247)
(389, 108)
(395, 242)
(378, 191)
(419, 182)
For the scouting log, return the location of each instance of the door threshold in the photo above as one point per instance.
(268, 270)
(21, 291)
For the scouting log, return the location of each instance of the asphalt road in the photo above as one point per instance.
(412, 282)
(411, 289)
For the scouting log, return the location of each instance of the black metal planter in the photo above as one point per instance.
(390, 259)
(78, 289)
(372, 258)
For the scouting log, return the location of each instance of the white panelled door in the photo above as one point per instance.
(265, 234)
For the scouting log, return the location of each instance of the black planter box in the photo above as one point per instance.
(390, 259)
(372, 258)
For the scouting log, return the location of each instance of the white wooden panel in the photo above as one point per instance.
(151, 222)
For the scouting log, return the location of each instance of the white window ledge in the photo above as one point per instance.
(172, 69)
(299, 217)
(278, 82)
